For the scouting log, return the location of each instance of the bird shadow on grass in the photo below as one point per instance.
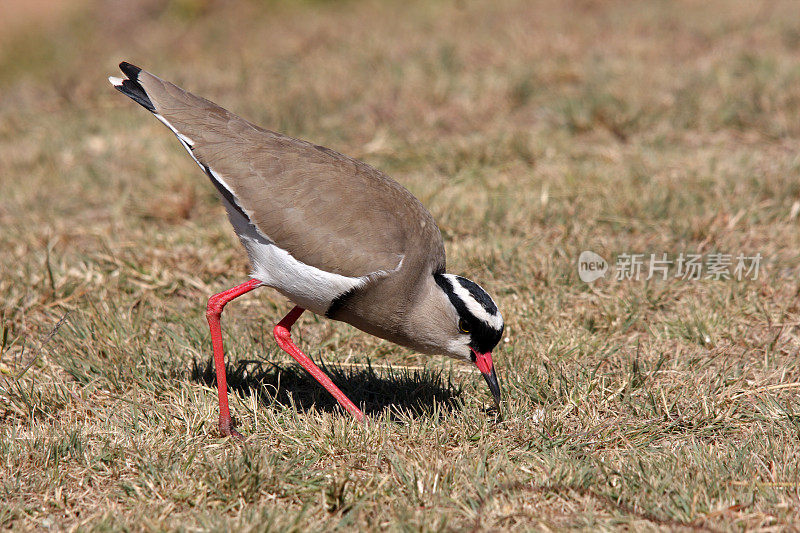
(414, 393)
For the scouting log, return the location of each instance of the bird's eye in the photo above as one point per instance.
(463, 327)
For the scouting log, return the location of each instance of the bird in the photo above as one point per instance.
(332, 234)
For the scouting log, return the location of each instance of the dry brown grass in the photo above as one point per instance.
(532, 131)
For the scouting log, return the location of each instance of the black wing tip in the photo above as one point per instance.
(131, 87)
(132, 71)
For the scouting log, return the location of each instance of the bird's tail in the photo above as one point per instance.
(179, 111)
(169, 103)
(131, 87)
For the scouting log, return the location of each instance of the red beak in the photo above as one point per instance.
(484, 363)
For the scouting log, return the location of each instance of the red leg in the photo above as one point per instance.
(282, 334)
(215, 305)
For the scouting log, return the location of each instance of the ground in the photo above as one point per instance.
(533, 131)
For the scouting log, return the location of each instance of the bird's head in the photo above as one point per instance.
(473, 325)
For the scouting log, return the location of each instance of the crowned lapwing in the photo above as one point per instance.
(331, 233)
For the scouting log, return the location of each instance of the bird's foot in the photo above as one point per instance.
(495, 412)
(226, 428)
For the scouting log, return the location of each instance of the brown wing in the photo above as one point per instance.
(328, 210)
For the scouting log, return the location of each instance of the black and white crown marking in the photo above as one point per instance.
(475, 306)
(479, 295)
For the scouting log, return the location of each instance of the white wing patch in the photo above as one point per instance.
(307, 286)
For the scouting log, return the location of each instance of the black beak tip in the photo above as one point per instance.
(494, 386)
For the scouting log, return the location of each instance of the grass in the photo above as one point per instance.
(532, 131)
